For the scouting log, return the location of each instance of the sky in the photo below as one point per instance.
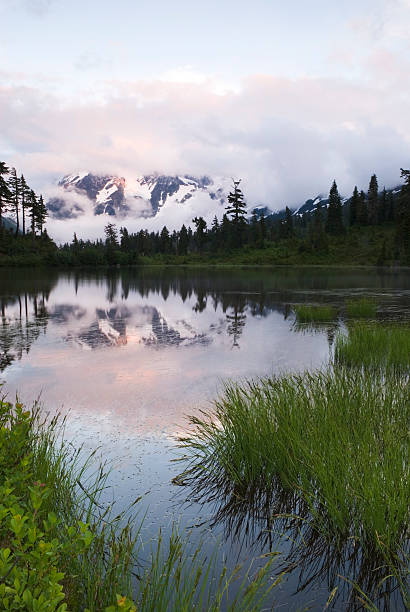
(287, 96)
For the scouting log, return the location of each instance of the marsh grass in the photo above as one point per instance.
(111, 570)
(361, 308)
(335, 442)
(374, 346)
(311, 314)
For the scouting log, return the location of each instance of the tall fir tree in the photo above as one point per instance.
(354, 207)
(14, 186)
(362, 209)
(33, 211)
(318, 238)
(373, 200)
(5, 194)
(24, 201)
(334, 221)
(237, 210)
(288, 224)
(183, 241)
(41, 215)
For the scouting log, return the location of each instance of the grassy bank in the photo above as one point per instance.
(61, 550)
(311, 314)
(334, 443)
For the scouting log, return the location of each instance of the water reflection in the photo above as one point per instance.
(128, 353)
(277, 519)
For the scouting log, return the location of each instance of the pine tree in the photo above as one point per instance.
(183, 241)
(14, 187)
(237, 210)
(24, 200)
(5, 194)
(164, 240)
(41, 215)
(111, 235)
(382, 207)
(33, 211)
(372, 200)
(362, 209)
(334, 221)
(354, 207)
(200, 235)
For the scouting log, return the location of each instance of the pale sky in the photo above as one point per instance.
(288, 95)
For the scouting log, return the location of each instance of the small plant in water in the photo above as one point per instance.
(309, 314)
(361, 308)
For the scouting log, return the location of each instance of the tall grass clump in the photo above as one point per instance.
(336, 441)
(361, 308)
(310, 314)
(61, 549)
(374, 346)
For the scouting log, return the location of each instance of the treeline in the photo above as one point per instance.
(364, 218)
(373, 227)
(25, 240)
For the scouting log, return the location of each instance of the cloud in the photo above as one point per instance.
(287, 138)
(35, 7)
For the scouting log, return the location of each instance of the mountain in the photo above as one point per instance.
(143, 196)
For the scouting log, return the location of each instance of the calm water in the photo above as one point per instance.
(128, 354)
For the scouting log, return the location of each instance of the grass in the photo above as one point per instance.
(334, 443)
(374, 346)
(311, 314)
(60, 547)
(361, 308)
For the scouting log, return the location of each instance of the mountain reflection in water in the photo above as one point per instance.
(127, 354)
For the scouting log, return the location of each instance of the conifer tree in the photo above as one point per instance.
(354, 207)
(372, 200)
(382, 207)
(362, 209)
(200, 235)
(183, 241)
(334, 222)
(14, 187)
(237, 210)
(24, 201)
(5, 194)
(318, 237)
(41, 215)
(33, 208)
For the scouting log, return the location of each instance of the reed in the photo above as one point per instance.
(374, 346)
(76, 553)
(336, 441)
(361, 308)
(310, 314)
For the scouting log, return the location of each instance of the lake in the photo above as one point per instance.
(127, 354)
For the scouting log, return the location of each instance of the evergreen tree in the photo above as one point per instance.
(5, 194)
(334, 222)
(183, 241)
(164, 241)
(33, 208)
(111, 235)
(382, 207)
(24, 201)
(237, 210)
(372, 200)
(262, 226)
(354, 207)
(14, 187)
(125, 239)
(200, 236)
(362, 209)
(41, 215)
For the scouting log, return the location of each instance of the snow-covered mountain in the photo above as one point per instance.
(143, 196)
